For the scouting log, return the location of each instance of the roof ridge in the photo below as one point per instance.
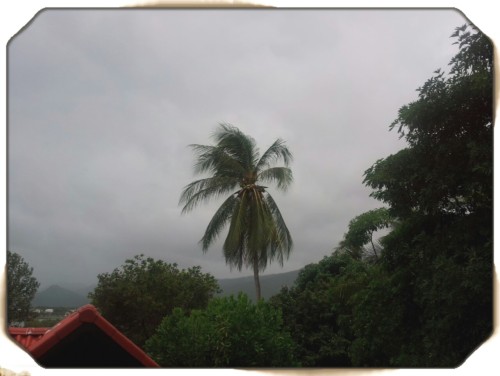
(87, 314)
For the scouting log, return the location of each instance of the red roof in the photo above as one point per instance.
(39, 340)
(27, 337)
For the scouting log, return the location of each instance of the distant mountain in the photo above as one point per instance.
(84, 290)
(57, 296)
(270, 284)
(79, 288)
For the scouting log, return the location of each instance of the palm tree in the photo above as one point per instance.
(257, 232)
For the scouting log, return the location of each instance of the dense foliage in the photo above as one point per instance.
(314, 308)
(21, 289)
(359, 241)
(136, 296)
(257, 232)
(440, 188)
(425, 299)
(230, 332)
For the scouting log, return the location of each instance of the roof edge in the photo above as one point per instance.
(88, 314)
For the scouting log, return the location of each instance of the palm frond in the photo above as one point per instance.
(217, 161)
(204, 189)
(276, 151)
(218, 221)
(282, 243)
(257, 232)
(237, 145)
(270, 238)
(234, 245)
(259, 223)
(282, 176)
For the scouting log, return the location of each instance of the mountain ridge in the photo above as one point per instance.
(58, 296)
(270, 284)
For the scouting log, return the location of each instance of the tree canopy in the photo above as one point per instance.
(361, 230)
(440, 188)
(230, 332)
(257, 231)
(136, 296)
(447, 167)
(21, 289)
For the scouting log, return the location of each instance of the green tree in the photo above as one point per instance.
(447, 167)
(230, 332)
(257, 232)
(21, 288)
(317, 312)
(383, 320)
(440, 187)
(427, 302)
(136, 296)
(361, 230)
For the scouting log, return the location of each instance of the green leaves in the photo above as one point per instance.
(136, 296)
(230, 332)
(21, 289)
(282, 176)
(219, 221)
(231, 141)
(361, 230)
(281, 240)
(257, 232)
(276, 151)
(446, 126)
(317, 310)
(434, 272)
(216, 160)
(205, 189)
(440, 189)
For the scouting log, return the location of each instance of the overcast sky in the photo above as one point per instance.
(103, 103)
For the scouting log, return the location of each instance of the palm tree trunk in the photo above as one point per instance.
(256, 278)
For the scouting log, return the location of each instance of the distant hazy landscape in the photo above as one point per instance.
(76, 296)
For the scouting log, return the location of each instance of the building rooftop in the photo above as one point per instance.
(82, 339)
(27, 337)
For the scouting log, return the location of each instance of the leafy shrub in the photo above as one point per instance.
(230, 332)
(136, 296)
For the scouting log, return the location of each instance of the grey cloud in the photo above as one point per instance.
(103, 103)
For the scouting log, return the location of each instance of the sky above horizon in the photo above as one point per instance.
(103, 103)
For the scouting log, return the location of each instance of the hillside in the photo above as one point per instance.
(57, 296)
(270, 284)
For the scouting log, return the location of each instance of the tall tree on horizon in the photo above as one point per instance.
(257, 232)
